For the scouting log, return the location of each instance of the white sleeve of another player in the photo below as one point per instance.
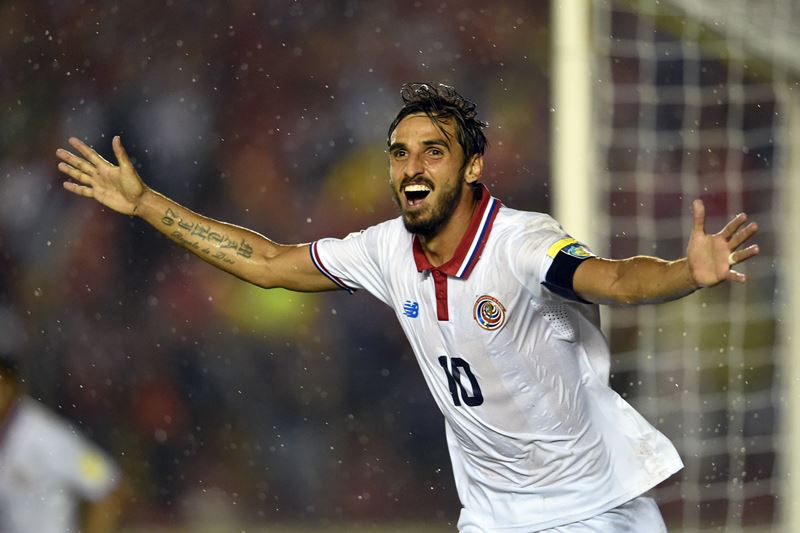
(84, 467)
(355, 261)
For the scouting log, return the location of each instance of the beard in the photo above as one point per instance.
(429, 221)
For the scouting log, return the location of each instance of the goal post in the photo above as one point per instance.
(790, 299)
(680, 99)
(572, 158)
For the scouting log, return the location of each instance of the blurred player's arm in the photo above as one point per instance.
(644, 279)
(234, 249)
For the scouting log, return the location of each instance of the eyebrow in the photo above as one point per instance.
(436, 142)
(432, 142)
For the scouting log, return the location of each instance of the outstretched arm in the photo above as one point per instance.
(234, 249)
(644, 279)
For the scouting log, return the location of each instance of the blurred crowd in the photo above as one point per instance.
(217, 398)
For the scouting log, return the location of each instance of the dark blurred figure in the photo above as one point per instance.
(52, 479)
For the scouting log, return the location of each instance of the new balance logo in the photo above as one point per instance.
(411, 309)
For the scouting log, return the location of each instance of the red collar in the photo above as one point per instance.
(469, 249)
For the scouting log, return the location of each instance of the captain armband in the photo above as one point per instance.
(567, 255)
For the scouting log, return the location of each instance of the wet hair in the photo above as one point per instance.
(441, 102)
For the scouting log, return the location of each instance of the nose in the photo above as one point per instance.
(414, 165)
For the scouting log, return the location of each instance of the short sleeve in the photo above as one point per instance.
(85, 468)
(544, 255)
(355, 261)
(97, 474)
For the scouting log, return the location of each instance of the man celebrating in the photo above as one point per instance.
(499, 306)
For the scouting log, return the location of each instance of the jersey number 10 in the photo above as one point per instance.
(456, 368)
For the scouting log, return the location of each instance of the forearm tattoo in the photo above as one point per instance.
(219, 246)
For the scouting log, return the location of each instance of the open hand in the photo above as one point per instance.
(712, 256)
(118, 187)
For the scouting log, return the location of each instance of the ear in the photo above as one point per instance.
(474, 169)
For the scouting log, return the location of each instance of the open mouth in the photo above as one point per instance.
(416, 193)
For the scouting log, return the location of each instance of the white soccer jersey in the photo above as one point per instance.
(46, 469)
(536, 436)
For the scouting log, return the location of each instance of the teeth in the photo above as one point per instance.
(417, 187)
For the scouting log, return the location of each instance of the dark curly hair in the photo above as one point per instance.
(441, 102)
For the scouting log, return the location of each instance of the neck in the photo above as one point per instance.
(440, 247)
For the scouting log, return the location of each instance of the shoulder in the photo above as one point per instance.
(392, 227)
(42, 425)
(515, 223)
(32, 411)
(388, 228)
(378, 244)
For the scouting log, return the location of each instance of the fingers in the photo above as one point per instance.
(732, 226)
(120, 153)
(699, 216)
(74, 173)
(80, 190)
(72, 160)
(738, 277)
(87, 151)
(731, 232)
(743, 255)
(742, 235)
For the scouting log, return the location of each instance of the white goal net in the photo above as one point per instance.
(690, 101)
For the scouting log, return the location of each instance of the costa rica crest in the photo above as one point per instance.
(489, 313)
